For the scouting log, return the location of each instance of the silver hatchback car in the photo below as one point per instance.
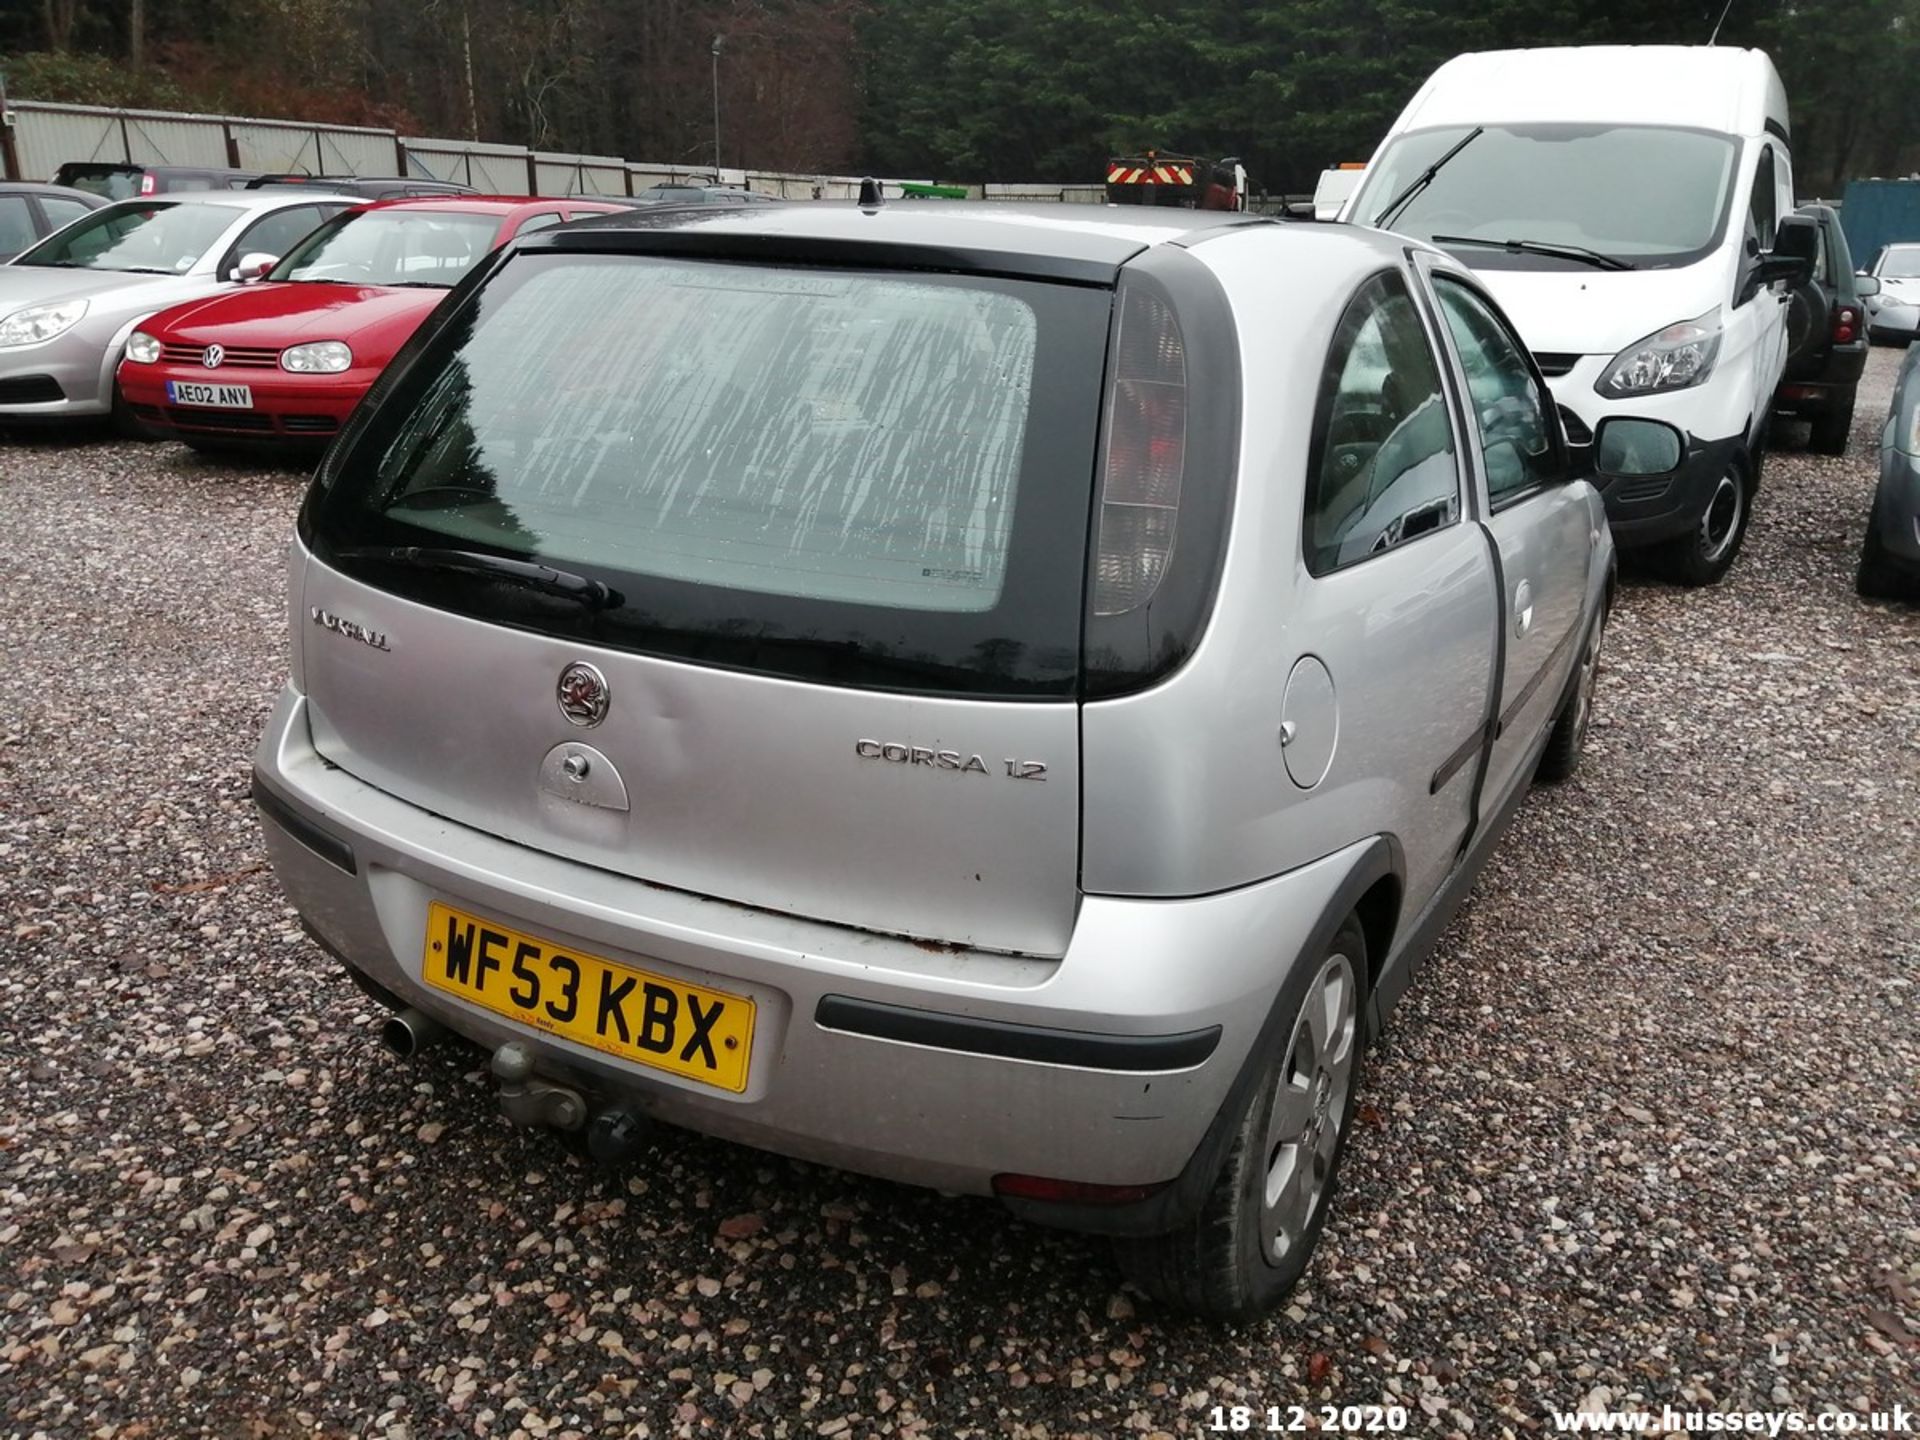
(997, 699)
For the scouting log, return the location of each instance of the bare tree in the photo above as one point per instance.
(61, 16)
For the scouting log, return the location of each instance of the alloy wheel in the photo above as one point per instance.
(1309, 1108)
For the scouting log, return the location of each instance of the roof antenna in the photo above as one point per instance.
(870, 196)
(1714, 38)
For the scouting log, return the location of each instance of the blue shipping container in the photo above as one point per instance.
(1877, 213)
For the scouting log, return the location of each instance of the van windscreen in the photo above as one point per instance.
(871, 477)
(1652, 196)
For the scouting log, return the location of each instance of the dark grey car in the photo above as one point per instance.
(1890, 554)
(29, 213)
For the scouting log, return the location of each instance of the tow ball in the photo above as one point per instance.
(612, 1134)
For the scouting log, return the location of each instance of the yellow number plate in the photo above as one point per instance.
(665, 1024)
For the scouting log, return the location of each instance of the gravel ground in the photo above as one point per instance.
(1646, 1131)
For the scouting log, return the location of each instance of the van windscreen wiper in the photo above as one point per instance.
(1425, 178)
(1542, 247)
(591, 593)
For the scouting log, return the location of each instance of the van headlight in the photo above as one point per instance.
(1671, 359)
(322, 357)
(142, 348)
(41, 322)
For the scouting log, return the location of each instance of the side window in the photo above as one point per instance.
(1763, 215)
(61, 212)
(275, 234)
(16, 225)
(1382, 470)
(538, 222)
(1509, 407)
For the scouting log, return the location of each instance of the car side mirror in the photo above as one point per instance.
(253, 265)
(1865, 284)
(1628, 447)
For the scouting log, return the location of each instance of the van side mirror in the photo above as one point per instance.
(1865, 284)
(1796, 250)
(253, 265)
(1628, 447)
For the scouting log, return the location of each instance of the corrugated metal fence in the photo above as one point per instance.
(45, 136)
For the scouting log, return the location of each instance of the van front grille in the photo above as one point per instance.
(1553, 364)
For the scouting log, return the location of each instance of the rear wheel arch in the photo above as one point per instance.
(1374, 881)
(1378, 911)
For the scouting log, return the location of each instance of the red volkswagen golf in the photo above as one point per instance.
(285, 360)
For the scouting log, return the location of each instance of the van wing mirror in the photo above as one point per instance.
(1865, 284)
(1629, 447)
(1796, 250)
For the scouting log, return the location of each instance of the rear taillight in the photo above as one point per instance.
(1846, 322)
(1146, 455)
(147, 183)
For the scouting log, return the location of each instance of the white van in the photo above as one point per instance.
(1335, 185)
(1630, 208)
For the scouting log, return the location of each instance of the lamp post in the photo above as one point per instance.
(716, 107)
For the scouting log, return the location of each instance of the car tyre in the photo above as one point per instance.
(1569, 738)
(121, 422)
(1832, 429)
(1258, 1226)
(1706, 552)
(1878, 578)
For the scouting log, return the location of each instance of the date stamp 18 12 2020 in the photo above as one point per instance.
(1300, 1419)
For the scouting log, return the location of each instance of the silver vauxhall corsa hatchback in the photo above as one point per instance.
(997, 699)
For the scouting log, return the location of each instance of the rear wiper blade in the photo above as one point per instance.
(1542, 247)
(589, 592)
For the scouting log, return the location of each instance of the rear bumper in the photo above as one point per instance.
(1646, 512)
(1824, 386)
(870, 1053)
(300, 410)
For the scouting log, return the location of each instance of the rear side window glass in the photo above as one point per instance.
(16, 224)
(62, 212)
(888, 472)
(1383, 469)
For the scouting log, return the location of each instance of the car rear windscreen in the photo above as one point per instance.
(112, 182)
(881, 478)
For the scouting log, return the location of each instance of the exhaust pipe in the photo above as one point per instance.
(408, 1032)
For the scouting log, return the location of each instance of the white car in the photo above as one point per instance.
(68, 304)
(1630, 207)
(1894, 314)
